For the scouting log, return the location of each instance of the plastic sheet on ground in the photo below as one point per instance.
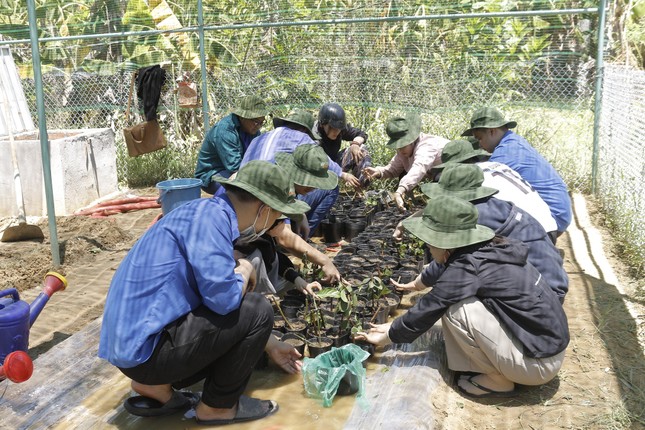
(398, 391)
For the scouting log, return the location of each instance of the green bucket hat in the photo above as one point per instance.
(487, 117)
(458, 151)
(403, 130)
(448, 222)
(299, 117)
(461, 180)
(308, 166)
(251, 107)
(268, 183)
(473, 141)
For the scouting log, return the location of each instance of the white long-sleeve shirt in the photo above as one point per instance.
(426, 154)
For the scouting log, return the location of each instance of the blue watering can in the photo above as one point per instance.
(16, 318)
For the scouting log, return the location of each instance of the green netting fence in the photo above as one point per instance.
(534, 59)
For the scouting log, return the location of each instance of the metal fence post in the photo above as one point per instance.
(598, 93)
(42, 126)
(202, 59)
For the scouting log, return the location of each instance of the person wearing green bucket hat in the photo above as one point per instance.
(494, 133)
(501, 323)
(510, 185)
(226, 142)
(416, 154)
(181, 306)
(466, 182)
(308, 169)
(298, 119)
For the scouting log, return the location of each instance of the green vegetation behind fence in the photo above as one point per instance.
(534, 59)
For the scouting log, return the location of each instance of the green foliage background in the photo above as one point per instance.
(371, 56)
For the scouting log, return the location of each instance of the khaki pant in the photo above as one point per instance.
(477, 342)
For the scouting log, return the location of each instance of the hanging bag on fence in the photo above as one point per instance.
(144, 137)
(187, 94)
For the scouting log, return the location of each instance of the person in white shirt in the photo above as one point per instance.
(512, 187)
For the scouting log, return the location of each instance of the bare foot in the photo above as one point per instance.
(494, 383)
(206, 413)
(161, 393)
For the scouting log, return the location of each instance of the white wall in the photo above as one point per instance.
(83, 168)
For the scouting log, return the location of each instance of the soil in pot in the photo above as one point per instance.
(393, 302)
(296, 325)
(278, 324)
(318, 345)
(295, 340)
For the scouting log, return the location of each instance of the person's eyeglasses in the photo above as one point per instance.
(258, 121)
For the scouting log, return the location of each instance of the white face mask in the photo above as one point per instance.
(249, 234)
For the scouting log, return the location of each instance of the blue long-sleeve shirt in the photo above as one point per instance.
(183, 261)
(514, 151)
(223, 148)
(282, 139)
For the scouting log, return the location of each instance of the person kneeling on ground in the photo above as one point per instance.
(181, 306)
(466, 182)
(499, 319)
(416, 154)
(226, 142)
(308, 167)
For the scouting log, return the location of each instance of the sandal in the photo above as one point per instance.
(248, 409)
(143, 406)
(487, 392)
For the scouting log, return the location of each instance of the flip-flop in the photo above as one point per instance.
(487, 392)
(248, 409)
(143, 406)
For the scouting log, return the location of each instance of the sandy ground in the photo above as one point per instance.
(601, 385)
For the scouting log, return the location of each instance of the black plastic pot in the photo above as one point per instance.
(365, 345)
(318, 345)
(348, 385)
(332, 231)
(291, 307)
(295, 340)
(338, 338)
(393, 301)
(295, 295)
(380, 315)
(353, 228)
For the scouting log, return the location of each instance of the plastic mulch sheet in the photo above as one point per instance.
(398, 391)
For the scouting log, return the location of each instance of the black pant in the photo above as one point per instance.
(222, 349)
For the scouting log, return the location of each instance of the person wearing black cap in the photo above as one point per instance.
(331, 129)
